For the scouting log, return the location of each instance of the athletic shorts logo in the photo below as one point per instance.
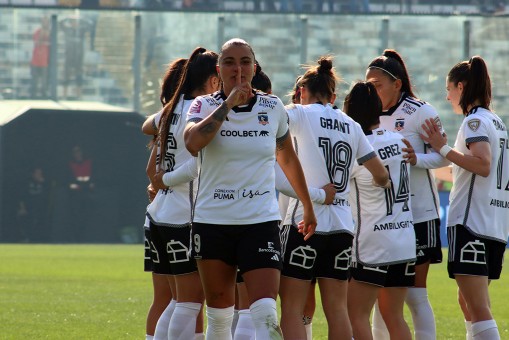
(473, 252)
(399, 124)
(474, 124)
(263, 118)
(196, 107)
(303, 257)
(342, 260)
(177, 252)
(275, 257)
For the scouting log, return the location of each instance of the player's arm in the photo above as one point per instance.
(477, 162)
(289, 163)
(183, 174)
(149, 126)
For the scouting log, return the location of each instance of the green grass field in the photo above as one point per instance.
(101, 292)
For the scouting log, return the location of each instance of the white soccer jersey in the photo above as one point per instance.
(407, 118)
(479, 203)
(237, 180)
(327, 142)
(172, 207)
(384, 231)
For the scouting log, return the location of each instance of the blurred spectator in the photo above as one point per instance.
(74, 28)
(33, 209)
(40, 60)
(81, 171)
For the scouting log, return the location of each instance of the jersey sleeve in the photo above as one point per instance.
(157, 120)
(283, 186)
(199, 110)
(364, 148)
(183, 174)
(293, 117)
(475, 130)
(282, 130)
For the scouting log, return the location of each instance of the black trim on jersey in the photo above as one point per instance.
(414, 101)
(359, 220)
(171, 225)
(193, 206)
(485, 237)
(194, 120)
(469, 199)
(283, 137)
(188, 97)
(296, 146)
(392, 109)
(366, 158)
(474, 110)
(477, 139)
(243, 108)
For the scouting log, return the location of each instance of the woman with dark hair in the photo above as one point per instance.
(328, 143)
(479, 202)
(383, 258)
(404, 113)
(239, 133)
(170, 212)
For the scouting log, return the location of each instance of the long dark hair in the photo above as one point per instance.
(393, 66)
(364, 105)
(170, 80)
(320, 80)
(474, 76)
(200, 66)
(261, 80)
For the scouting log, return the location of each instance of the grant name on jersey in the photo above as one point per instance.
(334, 124)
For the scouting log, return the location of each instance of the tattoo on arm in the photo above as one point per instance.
(218, 116)
(281, 141)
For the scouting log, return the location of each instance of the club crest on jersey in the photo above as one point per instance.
(263, 118)
(399, 124)
(196, 107)
(474, 124)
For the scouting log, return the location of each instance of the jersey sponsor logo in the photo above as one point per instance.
(334, 124)
(389, 151)
(270, 249)
(211, 101)
(177, 252)
(243, 133)
(499, 203)
(196, 107)
(408, 109)
(474, 124)
(342, 260)
(263, 118)
(224, 194)
(341, 202)
(250, 193)
(303, 256)
(399, 124)
(473, 252)
(379, 132)
(265, 102)
(393, 225)
(499, 125)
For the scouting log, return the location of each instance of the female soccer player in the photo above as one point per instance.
(403, 113)
(328, 144)
(238, 134)
(479, 202)
(170, 212)
(162, 303)
(383, 252)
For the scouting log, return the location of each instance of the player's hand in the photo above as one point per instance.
(241, 93)
(409, 151)
(308, 225)
(151, 192)
(330, 193)
(434, 136)
(157, 180)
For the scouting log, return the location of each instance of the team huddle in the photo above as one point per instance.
(251, 199)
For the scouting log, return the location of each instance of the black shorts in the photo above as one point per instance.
(321, 256)
(147, 263)
(473, 255)
(428, 244)
(249, 246)
(395, 275)
(170, 255)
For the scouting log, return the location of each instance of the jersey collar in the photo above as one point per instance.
(244, 108)
(392, 109)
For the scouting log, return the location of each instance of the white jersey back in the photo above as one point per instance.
(237, 180)
(406, 118)
(479, 203)
(384, 231)
(172, 207)
(327, 142)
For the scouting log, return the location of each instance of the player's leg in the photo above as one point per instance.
(293, 296)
